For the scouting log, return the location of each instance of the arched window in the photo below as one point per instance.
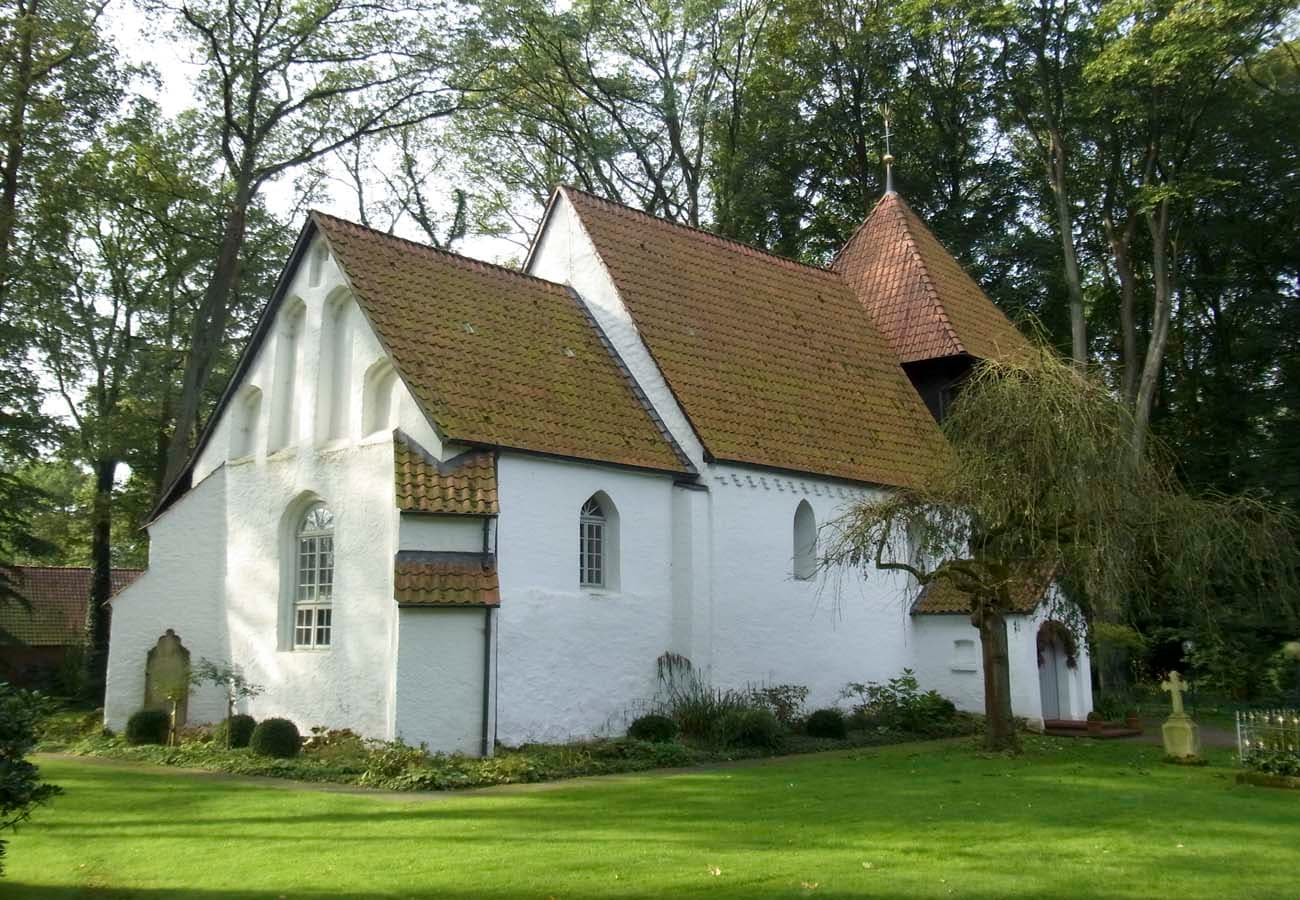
(314, 579)
(805, 541)
(598, 543)
(379, 411)
(247, 414)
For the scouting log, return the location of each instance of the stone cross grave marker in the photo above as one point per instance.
(1174, 686)
(1181, 735)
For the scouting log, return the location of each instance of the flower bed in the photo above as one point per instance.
(344, 758)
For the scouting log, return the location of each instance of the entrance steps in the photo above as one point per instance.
(1078, 728)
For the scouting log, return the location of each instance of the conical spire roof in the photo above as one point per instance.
(917, 294)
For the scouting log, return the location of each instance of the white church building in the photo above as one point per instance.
(453, 503)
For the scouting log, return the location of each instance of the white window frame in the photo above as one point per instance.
(313, 580)
(593, 545)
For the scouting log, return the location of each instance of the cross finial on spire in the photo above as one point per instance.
(888, 157)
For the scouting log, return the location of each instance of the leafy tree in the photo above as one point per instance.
(1044, 478)
(230, 678)
(283, 86)
(21, 789)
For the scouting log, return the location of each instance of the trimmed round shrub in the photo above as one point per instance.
(655, 728)
(241, 731)
(749, 728)
(276, 737)
(827, 723)
(148, 726)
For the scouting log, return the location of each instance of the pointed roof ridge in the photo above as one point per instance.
(458, 258)
(714, 237)
(917, 293)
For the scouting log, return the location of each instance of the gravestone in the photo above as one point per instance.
(167, 668)
(1181, 734)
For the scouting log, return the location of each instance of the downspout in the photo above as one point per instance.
(487, 680)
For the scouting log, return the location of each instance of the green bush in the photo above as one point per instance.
(148, 726)
(784, 700)
(241, 730)
(697, 707)
(826, 723)
(654, 728)
(899, 705)
(276, 737)
(1275, 762)
(21, 789)
(749, 728)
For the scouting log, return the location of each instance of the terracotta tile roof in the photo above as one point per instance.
(917, 294)
(463, 485)
(774, 362)
(1026, 592)
(57, 596)
(496, 357)
(445, 579)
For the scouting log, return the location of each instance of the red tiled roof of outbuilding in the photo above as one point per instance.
(57, 597)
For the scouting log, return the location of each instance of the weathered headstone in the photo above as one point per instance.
(167, 673)
(1181, 734)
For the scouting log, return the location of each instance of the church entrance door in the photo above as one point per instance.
(1051, 681)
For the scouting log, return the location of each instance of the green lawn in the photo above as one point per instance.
(1067, 819)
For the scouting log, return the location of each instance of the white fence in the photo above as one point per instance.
(1268, 730)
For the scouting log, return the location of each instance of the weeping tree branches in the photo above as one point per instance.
(1044, 477)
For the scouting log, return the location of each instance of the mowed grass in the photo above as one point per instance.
(1066, 819)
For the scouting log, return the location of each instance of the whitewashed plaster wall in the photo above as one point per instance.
(218, 573)
(571, 660)
(182, 589)
(440, 679)
(463, 534)
(564, 253)
(768, 626)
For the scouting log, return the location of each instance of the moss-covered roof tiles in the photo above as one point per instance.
(495, 357)
(445, 579)
(463, 485)
(774, 362)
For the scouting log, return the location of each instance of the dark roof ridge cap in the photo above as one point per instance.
(717, 238)
(444, 467)
(451, 255)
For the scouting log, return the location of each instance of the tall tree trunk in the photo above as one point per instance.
(1162, 278)
(1121, 243)
(101, 580)
(1057, 172)
(15, 143)
(999, 725)
(208, 330)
